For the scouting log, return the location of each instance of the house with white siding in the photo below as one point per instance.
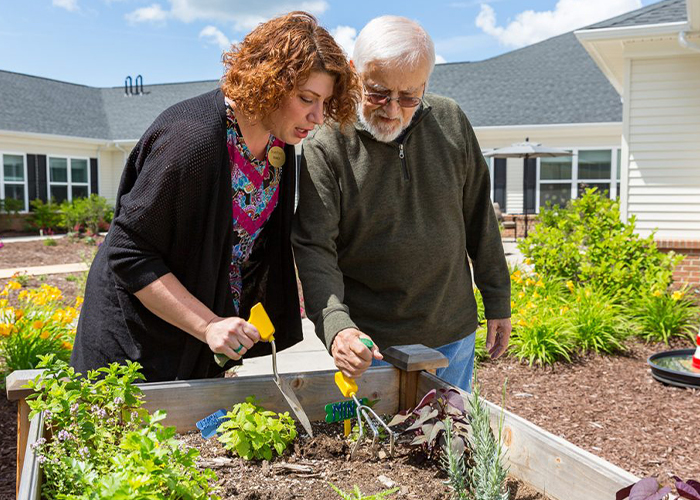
(652, 59)
(622, 95)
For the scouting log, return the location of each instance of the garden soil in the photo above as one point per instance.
(607, 405)
(37, 253)
(307, 470)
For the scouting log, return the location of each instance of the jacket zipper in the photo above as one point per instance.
(402, 156)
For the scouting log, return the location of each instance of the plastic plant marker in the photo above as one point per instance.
(210, 423)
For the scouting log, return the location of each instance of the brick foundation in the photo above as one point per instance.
(516, 223)
(688, 271)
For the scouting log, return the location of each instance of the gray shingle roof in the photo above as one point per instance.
(667, 11)
(551, 82)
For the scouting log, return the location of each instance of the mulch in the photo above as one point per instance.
(37, 253)
(608, 405)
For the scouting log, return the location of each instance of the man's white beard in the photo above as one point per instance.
(383, 132)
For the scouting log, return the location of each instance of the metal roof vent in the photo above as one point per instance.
(131, 89)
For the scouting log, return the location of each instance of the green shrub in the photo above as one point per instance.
(86, 214)
(586, 242)
(661, 315)
(596, 321)
(12, 205)
(44, 216)
(542, 339)
(253, 432)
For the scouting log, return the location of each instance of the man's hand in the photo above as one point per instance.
(497, 336)
(351, 356)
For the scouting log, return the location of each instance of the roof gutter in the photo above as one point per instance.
(687, 44)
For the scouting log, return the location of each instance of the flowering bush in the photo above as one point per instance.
(661, 314)
(103, 444)
(39, 324)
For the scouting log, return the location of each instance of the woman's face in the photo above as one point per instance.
(302, 109)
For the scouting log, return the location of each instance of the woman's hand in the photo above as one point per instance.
(227, 335)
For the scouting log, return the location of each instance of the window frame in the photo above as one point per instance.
(24, 183)
(69, 182)
(575, 181)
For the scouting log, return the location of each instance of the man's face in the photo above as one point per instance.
(386, 122)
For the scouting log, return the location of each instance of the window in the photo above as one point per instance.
(564, 178)
(14, 180)
(555, 180)
(69, 178)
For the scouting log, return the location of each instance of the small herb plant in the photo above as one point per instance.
(427, 419)
(253, 432)
(649, 489)
(103, 445)
(357, 494)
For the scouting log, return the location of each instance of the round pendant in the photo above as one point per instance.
(276, 156)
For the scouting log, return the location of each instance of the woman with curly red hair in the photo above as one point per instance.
(202, 223)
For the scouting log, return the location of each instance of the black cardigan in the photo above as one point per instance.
(173, 214)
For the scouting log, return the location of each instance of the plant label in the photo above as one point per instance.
(209, 424)
(342, 410)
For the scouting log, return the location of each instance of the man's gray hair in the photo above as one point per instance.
(393, 41)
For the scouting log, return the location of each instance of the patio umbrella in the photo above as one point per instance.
(526, 150)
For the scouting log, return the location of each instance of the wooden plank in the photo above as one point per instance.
(547, 462)
(16, 381)
(186, 402)
(414, 357)
(29, 479)
(23, 426)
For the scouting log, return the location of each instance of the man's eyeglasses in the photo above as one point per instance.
(383, 100)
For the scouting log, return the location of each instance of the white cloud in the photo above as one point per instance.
(439, 59)
(530, 26)
(214, 36)
(243, 15)
(69, 5)
(152, 14)
(345, 37)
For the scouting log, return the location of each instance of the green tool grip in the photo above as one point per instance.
(367, 342)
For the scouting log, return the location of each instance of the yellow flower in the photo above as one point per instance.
(535, 295)
(570, 285)
(78, 301)
(521, 295)
(3, 303)
(677, 295)
(656, 293)
(5, 329)
(19, 313)
(539, 283)
(45, 334)
(67, 346)
(38, 325)
(563, 310)
(4, 292)
(528, 261)
(512, 304)
(522, 322)
(588, 293)
(530, 305)
(13, 285)
(23, 294)
(530, 281)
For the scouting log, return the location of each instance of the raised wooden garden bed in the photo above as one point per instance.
(546, 462)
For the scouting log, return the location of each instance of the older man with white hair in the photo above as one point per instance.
(390, 213)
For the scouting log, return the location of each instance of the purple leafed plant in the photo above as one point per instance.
(649, 489)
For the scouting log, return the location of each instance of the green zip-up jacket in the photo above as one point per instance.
(383, 232)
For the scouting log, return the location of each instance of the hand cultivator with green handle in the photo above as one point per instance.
(261, 321)
(348, 387)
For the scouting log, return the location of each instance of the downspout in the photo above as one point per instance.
(684, 42)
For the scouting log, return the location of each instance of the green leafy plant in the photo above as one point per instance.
(50, 242)
(587, 242)
(254, 433)
(487, 474)
(45, 217)
(595, 321)
(356, 494)
(542, 339)
(22, 279)
(661, 315)
(427, 419)
(12, 205)
(86, 214)
(103, 444)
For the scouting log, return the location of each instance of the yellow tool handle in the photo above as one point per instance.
(260, 320)
(348, 386)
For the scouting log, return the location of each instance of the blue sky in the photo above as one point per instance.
(100, 42)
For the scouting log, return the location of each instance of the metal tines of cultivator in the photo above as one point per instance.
(348, 387)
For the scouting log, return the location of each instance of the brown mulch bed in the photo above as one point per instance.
(306, 472)
(609, 406)
(37, 253)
